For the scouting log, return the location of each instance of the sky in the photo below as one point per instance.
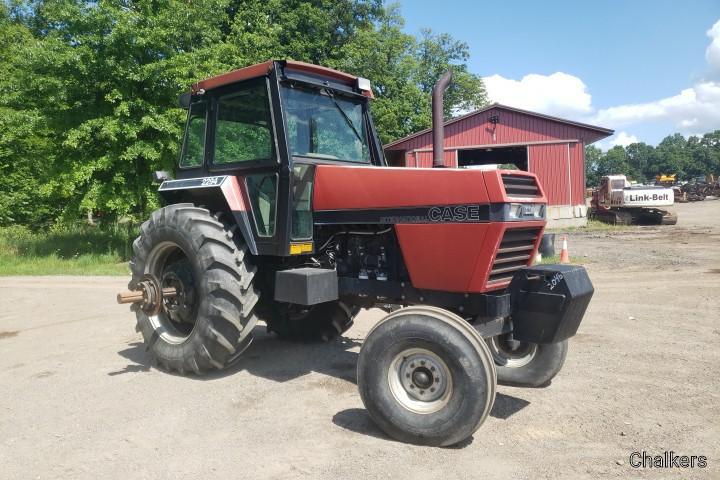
(645, 68)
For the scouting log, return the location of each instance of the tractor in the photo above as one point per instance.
(283, 210)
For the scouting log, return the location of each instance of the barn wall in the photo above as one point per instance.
(550, 164)
(424, 159)
(577, 171)
(513, 127)
(556, 152)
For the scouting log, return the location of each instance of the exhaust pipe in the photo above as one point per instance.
(437, 119)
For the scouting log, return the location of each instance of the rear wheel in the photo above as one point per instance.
(209, 323)
(524, 364)
(324, 321)
(426, 376)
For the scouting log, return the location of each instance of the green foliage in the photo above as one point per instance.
(688, 158)
(65, 250)
(403, 69)
(89, 104)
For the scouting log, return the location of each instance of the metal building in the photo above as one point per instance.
(552, 148)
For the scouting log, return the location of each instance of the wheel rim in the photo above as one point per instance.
(170, 265)
(420, 380)
(511, 353)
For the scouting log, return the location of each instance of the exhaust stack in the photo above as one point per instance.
(437, 119)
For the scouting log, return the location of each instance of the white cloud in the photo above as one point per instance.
(694, 109)
(623, 139)
(558, 94)
(712, 53)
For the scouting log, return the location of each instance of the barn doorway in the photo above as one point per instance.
(504, 157)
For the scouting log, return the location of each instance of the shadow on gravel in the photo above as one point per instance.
(136, 354)
(358, 420)
(506, 406)
(270, 357)
(280, 360)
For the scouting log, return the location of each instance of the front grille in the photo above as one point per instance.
(520, 186)
(516, 249)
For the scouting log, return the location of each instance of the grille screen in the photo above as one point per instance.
(515, 252)
(520, 186)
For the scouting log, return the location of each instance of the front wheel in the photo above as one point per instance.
(524, 364)
(426, 376)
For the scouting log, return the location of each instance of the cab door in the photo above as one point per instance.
(243, 144)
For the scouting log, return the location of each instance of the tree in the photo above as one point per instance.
(592, 164)
(641, 157)
(24, 148)
(90, 88)
(403, 70)
(687, 158)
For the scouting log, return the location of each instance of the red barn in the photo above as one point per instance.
(552, 148)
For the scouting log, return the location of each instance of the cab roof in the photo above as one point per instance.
(261, 69)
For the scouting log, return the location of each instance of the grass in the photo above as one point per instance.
(66, 250)
(592, 226)
(556, 259)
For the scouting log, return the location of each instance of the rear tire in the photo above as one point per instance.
(210, 324)
(323, 322)
(426, 377)
(529, 364)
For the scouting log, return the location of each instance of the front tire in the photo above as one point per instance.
(426, 377)
(210, 322)
(523, 364)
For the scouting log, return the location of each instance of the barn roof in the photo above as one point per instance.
(601, 130)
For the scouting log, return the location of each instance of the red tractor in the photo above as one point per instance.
(284, 209)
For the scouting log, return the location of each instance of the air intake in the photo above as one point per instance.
(515, 252)
(520, 186)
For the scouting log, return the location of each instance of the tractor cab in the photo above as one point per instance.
(610, 192)
(264, 128)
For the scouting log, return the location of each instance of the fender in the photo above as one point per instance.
(222, 191)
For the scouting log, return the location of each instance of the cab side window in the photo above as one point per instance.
(243, 131)
(262, 190)
(193, 151)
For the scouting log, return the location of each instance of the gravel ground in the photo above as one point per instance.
(79, 400)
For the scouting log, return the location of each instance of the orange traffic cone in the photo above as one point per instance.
(564, 256)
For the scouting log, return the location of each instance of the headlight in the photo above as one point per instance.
(524, 211)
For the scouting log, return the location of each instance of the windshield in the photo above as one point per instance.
(326, 126)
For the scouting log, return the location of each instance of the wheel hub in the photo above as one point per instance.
(512, 353)
(420, 380)
(173, 316)
(180, 307)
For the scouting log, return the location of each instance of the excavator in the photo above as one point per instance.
(618, 202)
